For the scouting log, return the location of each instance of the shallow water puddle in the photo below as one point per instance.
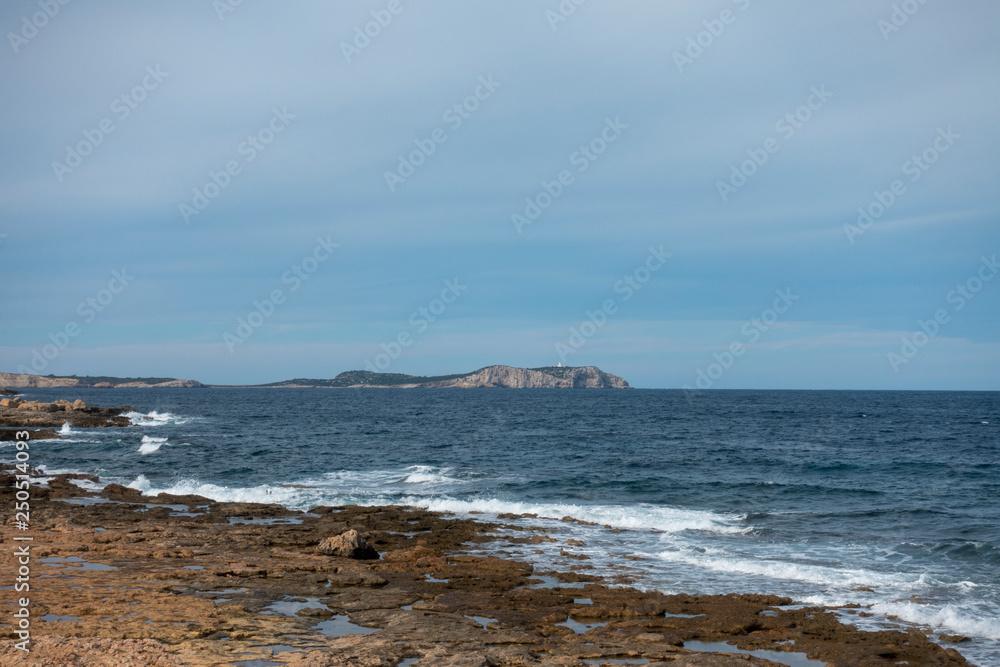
(55, 618)
(341, 625)
(275, 649)
(290, 607)
(669, 615)
(264, 521)
(95, 500)
(552, 582)
(483, 620)
(580, 628)
(431, 579)
(54, 561)
(583, 601)
(790, 659)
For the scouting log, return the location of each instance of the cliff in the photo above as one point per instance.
(583, 377)
(40, 381)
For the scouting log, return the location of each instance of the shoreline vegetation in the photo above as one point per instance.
(172, 580)
(509, 377)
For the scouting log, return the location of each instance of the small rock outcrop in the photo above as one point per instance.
(17, 413)
(349, 544)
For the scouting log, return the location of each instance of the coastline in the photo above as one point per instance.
(187, 580)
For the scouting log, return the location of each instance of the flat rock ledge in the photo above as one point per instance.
(17, 413)
(122, 579)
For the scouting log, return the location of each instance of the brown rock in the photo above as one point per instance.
(349, 544)
(10, 402)
(119, 492)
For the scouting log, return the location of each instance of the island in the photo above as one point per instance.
(508, 377)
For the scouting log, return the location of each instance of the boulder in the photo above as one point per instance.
(349, 544)
(78, 404)
(10, 402)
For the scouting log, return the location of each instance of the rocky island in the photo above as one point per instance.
(508, 377)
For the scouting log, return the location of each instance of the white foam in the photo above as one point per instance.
(150, 445)
(632, 517)
(951, 617)
(419, 479)
(155, 418)
(426, 475)
(264, 493)
(820, 575)
(66, 430)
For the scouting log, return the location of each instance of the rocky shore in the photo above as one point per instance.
(17, 413)
(118, 578)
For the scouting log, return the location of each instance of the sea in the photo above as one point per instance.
(881, 498)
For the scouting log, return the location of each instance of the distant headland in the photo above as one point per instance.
(508, 377)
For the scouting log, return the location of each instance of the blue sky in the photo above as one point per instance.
(642, 108)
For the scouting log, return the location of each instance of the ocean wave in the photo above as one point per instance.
(632, 517)
(427, 475)
(823, 575)
(150, 445)
(397, 487)
(417, 479)
(155, 418)
(264, 493)
(954, 618)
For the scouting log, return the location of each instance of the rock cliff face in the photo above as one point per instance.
(24, 380)
(584, 377)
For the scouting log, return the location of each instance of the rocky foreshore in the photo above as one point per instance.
(17, 413)
(118, 578)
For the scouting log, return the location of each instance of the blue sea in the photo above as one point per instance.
(810, 494)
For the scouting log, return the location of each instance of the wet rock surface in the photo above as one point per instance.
(10, 435)
(120, 579)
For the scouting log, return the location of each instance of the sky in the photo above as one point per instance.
(712, 195)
